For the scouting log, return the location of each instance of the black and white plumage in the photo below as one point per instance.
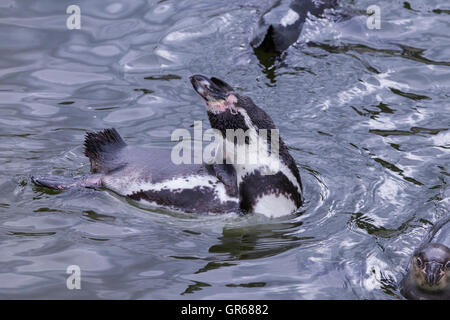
(149, 176)
(274, 194)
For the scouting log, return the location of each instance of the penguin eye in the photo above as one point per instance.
(419, 262)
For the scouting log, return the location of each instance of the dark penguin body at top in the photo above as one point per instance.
(280, 26)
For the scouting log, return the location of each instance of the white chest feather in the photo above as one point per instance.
(274, 206)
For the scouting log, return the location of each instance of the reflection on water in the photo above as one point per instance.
(258, 241)
(364, 114)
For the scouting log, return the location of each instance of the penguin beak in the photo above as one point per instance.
(433, 272)
(211, 90)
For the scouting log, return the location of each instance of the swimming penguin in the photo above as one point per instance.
(271, 186)
(281, 25)
(428, 275)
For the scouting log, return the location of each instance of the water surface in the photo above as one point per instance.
(365, 114)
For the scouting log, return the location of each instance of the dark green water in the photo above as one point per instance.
(365, 113)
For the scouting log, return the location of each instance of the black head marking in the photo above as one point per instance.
(222, 84)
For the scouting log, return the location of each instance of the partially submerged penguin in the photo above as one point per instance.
(271, 187)
(428, 275)
(281, 25)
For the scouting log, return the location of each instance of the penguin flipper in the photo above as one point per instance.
(63, 183)
(227, 175)
(101, 147)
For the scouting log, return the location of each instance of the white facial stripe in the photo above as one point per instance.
(204, 83)
(201, 91)
(247, 119)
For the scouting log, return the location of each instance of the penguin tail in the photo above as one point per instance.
(101, 146)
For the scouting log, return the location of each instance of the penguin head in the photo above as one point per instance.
(228, 109)
(430, 267)
(216, 93)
